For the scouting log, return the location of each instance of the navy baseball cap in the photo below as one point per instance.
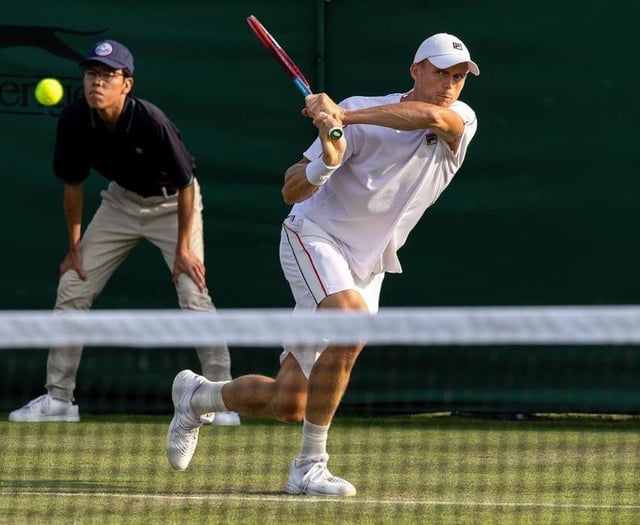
(110, 53)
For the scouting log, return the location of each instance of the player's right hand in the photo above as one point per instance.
(332, 150)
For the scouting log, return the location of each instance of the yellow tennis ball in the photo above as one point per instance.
(49, 91)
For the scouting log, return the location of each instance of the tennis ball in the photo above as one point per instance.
(49, 92)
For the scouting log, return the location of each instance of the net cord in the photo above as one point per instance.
(527, 325)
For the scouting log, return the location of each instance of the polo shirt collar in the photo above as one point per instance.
(125, 120)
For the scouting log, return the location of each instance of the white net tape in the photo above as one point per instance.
(560, 325)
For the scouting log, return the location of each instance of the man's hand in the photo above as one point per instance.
(186, 262)
(73, 261)
(322, 103)
(326, 115)
(332, 150)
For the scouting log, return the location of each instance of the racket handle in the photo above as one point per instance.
(301, 86)
(334, 133)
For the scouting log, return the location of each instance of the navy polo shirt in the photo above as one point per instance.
(144, 153)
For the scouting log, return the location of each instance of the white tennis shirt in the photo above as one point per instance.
(387, 180)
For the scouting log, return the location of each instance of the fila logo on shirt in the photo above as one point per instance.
(431, 139)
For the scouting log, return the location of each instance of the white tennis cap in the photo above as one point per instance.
(443, 51)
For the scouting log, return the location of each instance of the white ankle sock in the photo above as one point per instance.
(314, 440)
(208, 398)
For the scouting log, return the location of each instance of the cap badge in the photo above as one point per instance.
(104, 49)
(457, 45)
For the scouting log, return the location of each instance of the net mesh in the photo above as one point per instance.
(452, 415)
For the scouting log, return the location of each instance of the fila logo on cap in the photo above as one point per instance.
(104, 49)
(457, 45)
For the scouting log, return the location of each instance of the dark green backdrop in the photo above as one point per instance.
(543, 211)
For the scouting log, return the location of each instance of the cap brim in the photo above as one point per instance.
(103, 60)
(447, 61)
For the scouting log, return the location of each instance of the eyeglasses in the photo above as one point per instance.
(104, 75)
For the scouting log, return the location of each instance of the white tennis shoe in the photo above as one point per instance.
(226, 418)
(46, 408)
(182, 436)
(313, 477)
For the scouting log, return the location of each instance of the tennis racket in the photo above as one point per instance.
(287, 64)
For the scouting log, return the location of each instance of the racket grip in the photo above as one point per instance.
(335, 133)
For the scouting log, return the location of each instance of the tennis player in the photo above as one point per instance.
(355, 201)
(153, 196)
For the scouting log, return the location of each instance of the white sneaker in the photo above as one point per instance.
(313, 478)
(46, 408)
(207, 419)
(226, 418)
(182, 436)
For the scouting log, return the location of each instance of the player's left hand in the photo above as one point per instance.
(322, 103)
(189, 264)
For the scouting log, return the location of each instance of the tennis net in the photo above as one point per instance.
(391, 326)
(453, 415)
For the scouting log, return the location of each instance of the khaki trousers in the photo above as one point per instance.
(123, 220)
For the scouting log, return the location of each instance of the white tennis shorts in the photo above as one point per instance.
(315, 266)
